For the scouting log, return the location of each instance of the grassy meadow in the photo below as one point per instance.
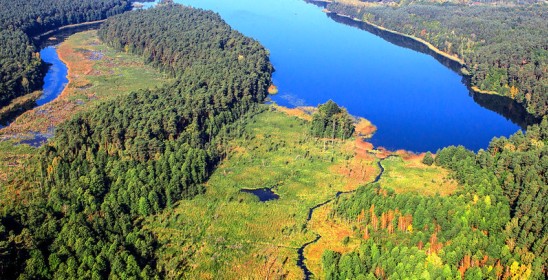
(96, 73)
(411, 175)
(227, 234)
(232, 235)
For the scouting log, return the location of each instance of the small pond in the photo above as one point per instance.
(264, 194)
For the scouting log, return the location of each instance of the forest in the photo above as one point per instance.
(493, 228)
(332, 121)
(504, 47)
(21, 69)
(148, 184)
(104, 171)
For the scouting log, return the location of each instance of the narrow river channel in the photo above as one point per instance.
(301, 260)
(56, 79)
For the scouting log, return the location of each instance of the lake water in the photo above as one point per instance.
(417, 103)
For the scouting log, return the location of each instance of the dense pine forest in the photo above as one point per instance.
(104, 171)
(120, 191)
(21, 69)
(504, 48)
(493, 228)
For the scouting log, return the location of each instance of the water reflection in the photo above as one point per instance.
(502, 105)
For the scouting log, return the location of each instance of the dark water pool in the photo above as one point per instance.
(264, 194)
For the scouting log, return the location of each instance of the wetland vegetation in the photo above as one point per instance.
(165, 164)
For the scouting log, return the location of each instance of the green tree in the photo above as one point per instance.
(428, 159)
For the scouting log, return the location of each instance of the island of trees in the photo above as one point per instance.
(332, 121)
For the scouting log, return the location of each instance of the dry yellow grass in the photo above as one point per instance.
(272, 89)
(19, 102)
(408, 174)
(364, 128)
(303, 112)
(332, 233)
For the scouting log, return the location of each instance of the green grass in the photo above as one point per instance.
(13, 157)
(230, 234)
(96, 73)
(116, 72)
(413, 176)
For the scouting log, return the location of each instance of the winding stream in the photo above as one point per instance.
(300, 252)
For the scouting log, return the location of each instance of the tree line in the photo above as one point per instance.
(134, 156)
(494, 227)
(504, 48)
(21, 69)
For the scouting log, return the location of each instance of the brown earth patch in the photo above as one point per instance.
(304, 112)
(364, 128)
(333, 233)
(272, 89)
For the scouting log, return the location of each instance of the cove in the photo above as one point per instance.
(416, 102)
(55, 78)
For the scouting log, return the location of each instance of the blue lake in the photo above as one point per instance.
(56, 77)
(416, 103)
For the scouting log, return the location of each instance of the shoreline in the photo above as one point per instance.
(94, 72)
(7, 130)
(24, 102)
(70, 68)
(48, 33)
(419, 40)
(425, 43)
(489, 92)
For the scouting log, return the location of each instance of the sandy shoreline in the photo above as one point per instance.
(422, 41)
(425, 43)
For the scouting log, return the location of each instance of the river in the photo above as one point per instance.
(416, 102)
(56, 77)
